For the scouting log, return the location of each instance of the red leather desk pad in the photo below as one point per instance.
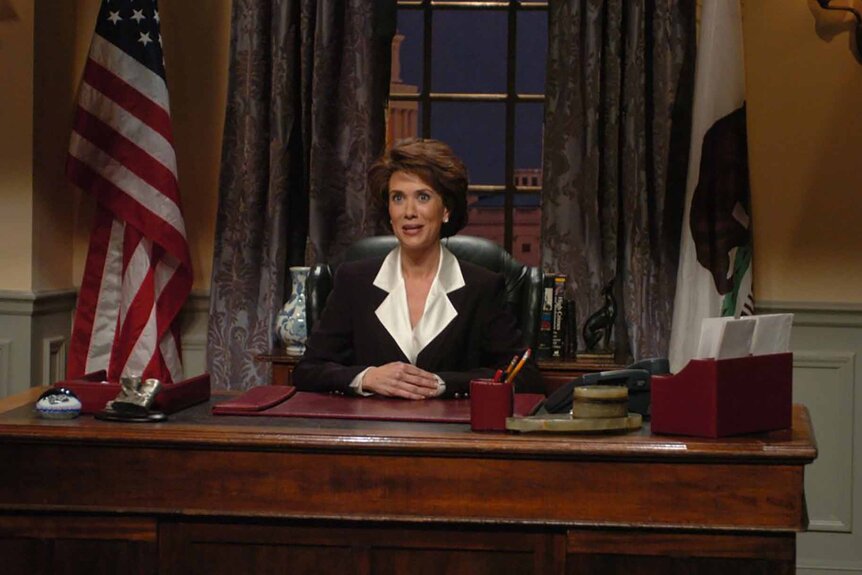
(327, 406)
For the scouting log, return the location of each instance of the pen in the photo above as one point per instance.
(518, 367)
(498, 376)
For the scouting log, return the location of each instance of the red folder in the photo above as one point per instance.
(172, 397)
(255, 399)
(717, 398)
(328, 406)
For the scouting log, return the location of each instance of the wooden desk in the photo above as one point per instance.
(554, 372)
(199, 494)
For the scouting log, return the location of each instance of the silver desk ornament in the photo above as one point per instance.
(134, 401)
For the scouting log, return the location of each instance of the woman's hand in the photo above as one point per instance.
(399, 379)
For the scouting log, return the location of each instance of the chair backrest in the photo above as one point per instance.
(523, 283)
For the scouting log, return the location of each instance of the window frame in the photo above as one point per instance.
(425, 96)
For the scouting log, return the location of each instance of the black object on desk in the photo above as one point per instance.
(635, 377)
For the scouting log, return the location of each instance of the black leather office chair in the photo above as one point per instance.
(523, 283)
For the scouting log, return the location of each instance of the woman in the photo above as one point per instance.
(419, 323)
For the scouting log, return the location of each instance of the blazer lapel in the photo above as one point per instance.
(392, 311)
(439, 311)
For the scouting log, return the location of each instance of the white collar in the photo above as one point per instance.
(439, 312)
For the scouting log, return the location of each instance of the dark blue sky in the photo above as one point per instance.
(469, 54)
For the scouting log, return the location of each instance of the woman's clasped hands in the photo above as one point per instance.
(399, 379)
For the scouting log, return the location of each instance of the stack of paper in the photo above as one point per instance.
(727, 337)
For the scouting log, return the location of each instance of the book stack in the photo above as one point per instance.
(554, 339)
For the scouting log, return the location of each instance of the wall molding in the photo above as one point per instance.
(5, 366)
(823, 568)
(198, 302)
(32, 304)
(54, 351)
(816, 314)
(840, 364)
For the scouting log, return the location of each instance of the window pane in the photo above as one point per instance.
(476, 132)
(469, 51)
(532, 52)
(528, 137)
(407, 52)
(526, 246)
(486, 219)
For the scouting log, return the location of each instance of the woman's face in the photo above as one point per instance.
(416, 211)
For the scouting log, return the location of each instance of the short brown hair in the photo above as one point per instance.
(435, 164)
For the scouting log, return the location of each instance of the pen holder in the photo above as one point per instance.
(491, 403)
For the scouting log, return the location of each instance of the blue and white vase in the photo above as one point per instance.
(290, 323)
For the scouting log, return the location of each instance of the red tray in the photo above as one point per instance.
(717, 398)
(95, 393)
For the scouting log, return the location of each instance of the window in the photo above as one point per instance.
(472, 74)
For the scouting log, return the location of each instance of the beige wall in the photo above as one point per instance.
(196, 45)
(16, 143)
(55, 76)
(42, 215)
(196, 54)
(804, 86)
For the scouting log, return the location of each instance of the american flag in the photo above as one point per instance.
(138, 271)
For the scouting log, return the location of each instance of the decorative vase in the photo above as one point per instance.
(290, 323)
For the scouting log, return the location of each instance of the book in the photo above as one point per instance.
(570, 330)
(546, 318)
(559, 298)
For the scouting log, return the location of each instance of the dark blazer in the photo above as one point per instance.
(349, 336)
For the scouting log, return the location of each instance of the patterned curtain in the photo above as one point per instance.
(305, 118)
(618, 116)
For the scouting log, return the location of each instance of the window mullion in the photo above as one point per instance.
(509, 169)
(425, 98)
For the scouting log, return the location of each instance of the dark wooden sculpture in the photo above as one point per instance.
(599, 326)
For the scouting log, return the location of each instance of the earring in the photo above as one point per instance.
(446, 219)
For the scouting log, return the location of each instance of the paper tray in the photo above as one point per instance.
(718, 398)
(173, 397)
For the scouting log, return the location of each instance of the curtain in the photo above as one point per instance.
(620, 76)
(305, 117)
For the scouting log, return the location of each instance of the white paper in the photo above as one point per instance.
(725, 337)
(711, 332)
(772, 333)
(737, 338)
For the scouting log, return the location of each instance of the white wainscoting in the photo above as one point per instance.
(827, 369)
(35, 327)
(195, 317)
(35, 330)
(5, 366)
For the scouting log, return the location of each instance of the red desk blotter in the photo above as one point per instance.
(327, 406)
(173, 397)
(717, 398)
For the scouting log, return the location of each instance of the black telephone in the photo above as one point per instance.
(636, 377)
